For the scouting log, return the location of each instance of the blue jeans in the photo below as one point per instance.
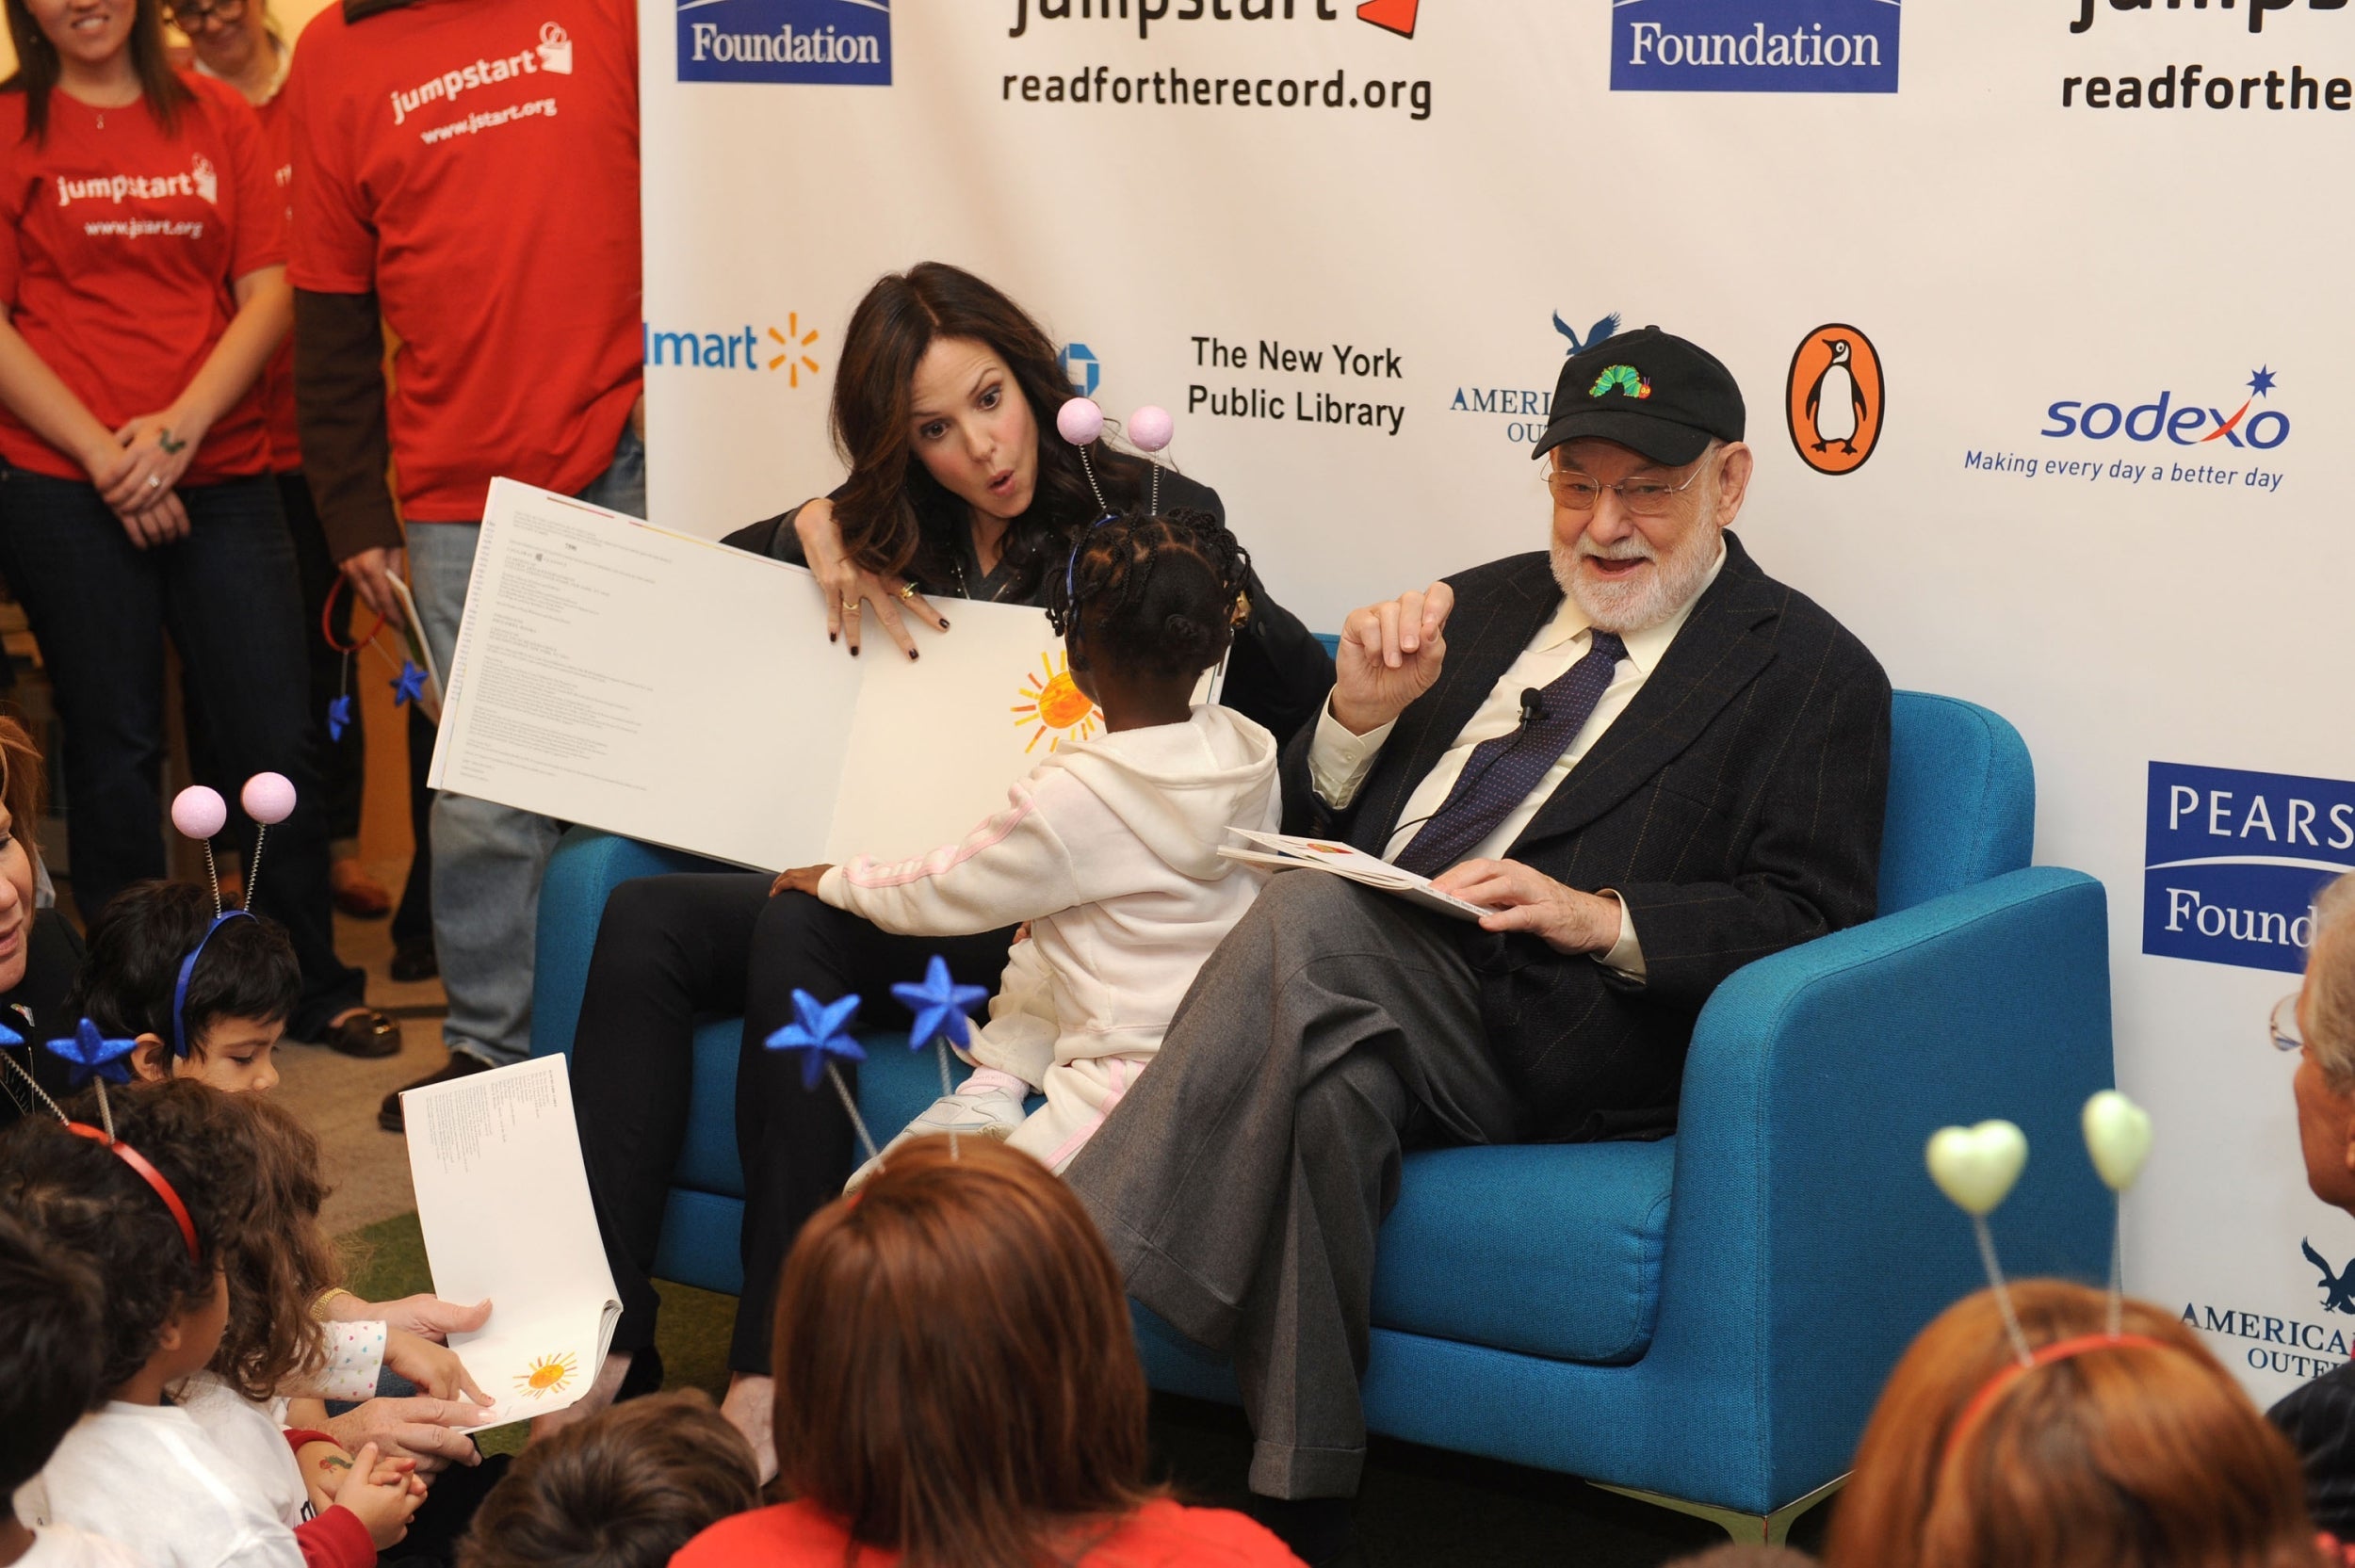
(228, 596)
(488, 859)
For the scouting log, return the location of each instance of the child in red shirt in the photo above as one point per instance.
(142, 251)
(957, 1384)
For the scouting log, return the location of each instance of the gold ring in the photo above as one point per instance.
(907, 591)
(850, 606)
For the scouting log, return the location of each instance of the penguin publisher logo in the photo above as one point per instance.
(1836, 397)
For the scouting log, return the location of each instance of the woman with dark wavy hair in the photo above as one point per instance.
(959, 489)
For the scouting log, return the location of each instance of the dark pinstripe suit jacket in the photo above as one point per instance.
(1736, 806)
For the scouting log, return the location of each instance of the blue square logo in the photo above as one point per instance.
(2232, 860)
(843, 41)
(1754, 45)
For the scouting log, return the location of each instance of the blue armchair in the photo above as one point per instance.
(1551, 1305)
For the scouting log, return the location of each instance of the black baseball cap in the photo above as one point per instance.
(1651, 391)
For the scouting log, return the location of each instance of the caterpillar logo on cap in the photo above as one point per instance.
(1621, 378)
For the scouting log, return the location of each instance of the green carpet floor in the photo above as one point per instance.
(1419, 1506)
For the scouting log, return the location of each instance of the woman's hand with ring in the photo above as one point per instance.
(849, 585)
(161, 447)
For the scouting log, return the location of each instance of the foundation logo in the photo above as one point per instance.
(845, 42)
(1754, 45)
(1835, 398)
(783, 349)
(2232, 860)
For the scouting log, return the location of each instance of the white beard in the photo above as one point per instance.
(1649, 598)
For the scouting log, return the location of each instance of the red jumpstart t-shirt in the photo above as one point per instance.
(278, 398)
(120, 247)
(475, 164)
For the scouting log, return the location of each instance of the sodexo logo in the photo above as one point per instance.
(2185, 421)
(842, 42)
(1754, 45)
(1080, 368)
(2232, 860)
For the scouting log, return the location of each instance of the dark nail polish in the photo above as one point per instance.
(854, 650)
(944, 625)
(911, 655)
(833, 636)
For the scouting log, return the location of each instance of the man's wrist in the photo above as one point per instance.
(1356, 720)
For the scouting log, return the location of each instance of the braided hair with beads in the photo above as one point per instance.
(1153, 595)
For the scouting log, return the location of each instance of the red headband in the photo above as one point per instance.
(2060, 1349)
(152, 1177)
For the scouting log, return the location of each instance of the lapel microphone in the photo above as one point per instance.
(1533, 706)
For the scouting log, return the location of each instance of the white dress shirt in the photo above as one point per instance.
(1339, 761)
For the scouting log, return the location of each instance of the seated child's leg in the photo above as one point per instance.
(987, 1105)
(1080, 1094)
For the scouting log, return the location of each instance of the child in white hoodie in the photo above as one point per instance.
(1109, 849)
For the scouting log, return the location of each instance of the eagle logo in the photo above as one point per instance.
(1602, 331)
(2338, 1288)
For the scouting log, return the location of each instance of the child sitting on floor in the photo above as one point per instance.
(238, 995)
(1110, 850)
(48, 1377)
(626, 1488)
(153, 1212)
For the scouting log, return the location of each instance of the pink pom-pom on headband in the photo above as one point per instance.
(1080, 421)
(199, 812)
(268, 798)
(1150, 427)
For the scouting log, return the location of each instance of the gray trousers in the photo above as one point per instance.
(1242, 1181)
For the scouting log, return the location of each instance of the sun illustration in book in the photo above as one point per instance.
(1057, 705)
(548, 1375)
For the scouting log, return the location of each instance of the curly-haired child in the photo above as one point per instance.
(1110, 849)
(156, 1214)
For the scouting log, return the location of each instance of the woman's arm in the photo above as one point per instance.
(35, 394)
(265, 315)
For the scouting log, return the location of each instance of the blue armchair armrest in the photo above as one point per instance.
(1805, 1244)
(586, 869)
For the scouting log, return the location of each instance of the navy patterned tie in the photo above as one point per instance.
(1499, 773)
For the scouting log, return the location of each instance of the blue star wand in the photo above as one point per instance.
(819, 1032)
(90, 1056)
(940, 1005)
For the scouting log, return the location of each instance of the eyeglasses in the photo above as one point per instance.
(195, 18)
(2285, 1025)
(1641, 496)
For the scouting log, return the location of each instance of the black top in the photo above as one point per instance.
(36, 1009)
(1277, 675)
(2319, 1421)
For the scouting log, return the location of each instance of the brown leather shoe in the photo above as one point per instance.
(367, 1034)
(357, 894)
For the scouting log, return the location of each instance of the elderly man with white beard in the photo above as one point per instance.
(1653, 762)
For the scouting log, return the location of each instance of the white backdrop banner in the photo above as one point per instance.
(2030, 299)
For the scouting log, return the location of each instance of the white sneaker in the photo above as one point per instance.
(988, 1114)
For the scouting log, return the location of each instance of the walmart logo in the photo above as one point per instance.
(786, 350)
